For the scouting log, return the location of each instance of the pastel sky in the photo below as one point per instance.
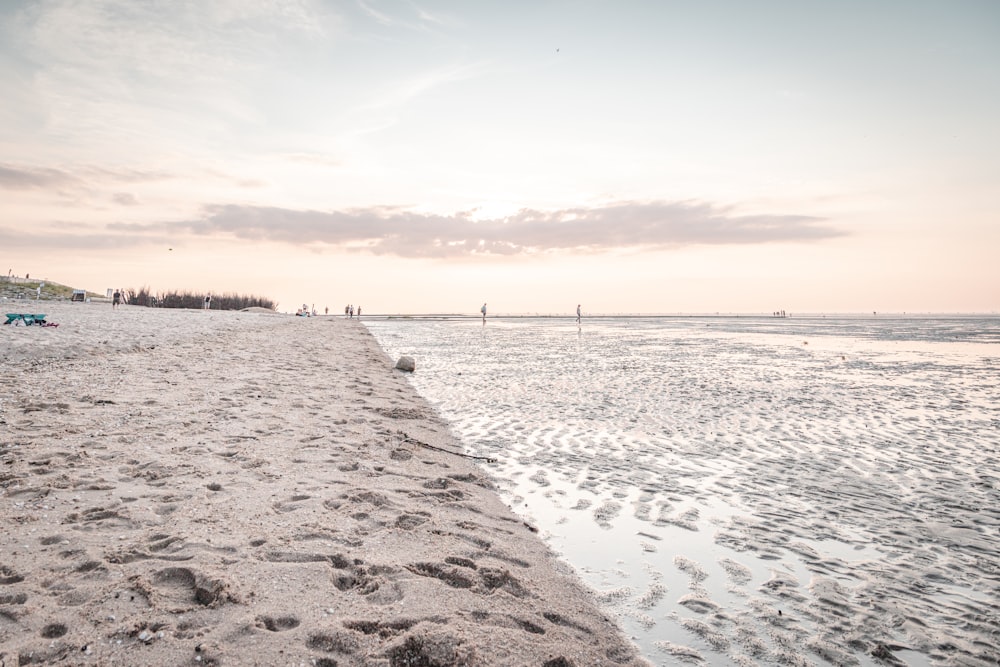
(425, 156)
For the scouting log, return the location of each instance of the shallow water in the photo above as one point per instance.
(747, 490)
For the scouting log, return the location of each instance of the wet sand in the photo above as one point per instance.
(747, 492)
(183, 487)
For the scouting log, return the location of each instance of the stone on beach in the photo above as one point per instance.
(406, 364)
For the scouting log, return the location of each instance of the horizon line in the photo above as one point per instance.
(718, 314)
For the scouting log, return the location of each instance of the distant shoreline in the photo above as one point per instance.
(605, 316)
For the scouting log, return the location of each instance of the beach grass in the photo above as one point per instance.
(186, 299)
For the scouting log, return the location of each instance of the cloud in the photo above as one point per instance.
(75, 237)
(410, 16)
(402, 91)
(102, 175)
(34, 178)
(404, 233)
(380, 17)
(178, 40)
(25, 177)
(125, 199)
(92, 72)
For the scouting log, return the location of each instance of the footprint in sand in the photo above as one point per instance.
(411, 521)
(346, 643)
(54, 630)
(425, 648)
(181, 587)
(277, 624)
(15, 598)
(9, 576)
(291, 504)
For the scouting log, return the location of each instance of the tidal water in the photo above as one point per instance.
(744, 491)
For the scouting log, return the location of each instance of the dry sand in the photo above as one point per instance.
(183, 487)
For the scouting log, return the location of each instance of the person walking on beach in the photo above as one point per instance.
(483, 311)
(577, 313)
(116, 300)
(208, 302)
(359, 312)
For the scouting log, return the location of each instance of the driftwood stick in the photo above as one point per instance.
(407, 438)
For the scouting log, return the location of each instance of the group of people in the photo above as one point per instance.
(349, 311)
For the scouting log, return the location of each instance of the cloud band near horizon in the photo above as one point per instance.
(394, 231)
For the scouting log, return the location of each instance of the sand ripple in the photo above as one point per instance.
(817, 491)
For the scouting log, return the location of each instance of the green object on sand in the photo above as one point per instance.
(27, 318)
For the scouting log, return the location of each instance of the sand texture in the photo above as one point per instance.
(183, 487)
(747, 491)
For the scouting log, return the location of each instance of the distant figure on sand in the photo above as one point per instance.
(208, 302)
(483, 311)
(577, 313)
(116, 300)
(359, 312)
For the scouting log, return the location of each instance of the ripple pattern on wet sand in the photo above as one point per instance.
(798, 492)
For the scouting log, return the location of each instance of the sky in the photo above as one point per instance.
(416, 157)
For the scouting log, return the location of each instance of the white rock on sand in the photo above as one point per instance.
(190, 487)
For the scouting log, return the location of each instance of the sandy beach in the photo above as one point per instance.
(221, 488)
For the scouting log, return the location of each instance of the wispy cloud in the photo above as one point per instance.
(32, 178)
(394, 231)
(381, 17)
(178, 40)
(413, 17)
(402, 91)
(434, 18)
(108, 68)
(74, 236)
(125, 199)
(27, 177)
